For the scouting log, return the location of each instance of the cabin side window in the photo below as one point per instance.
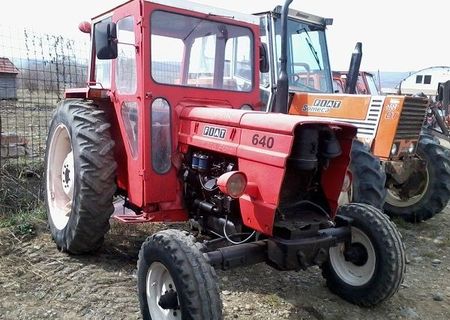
(427, 79)
(419, 79)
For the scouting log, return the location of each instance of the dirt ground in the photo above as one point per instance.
(38, 282)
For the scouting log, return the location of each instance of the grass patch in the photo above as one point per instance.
(21, 185)
(24, 223)
(273, 300)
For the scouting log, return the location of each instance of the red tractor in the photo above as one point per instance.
(165, 122)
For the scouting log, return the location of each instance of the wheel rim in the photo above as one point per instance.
(354, 274)
(394, 199)
(60, 177)
(158, 283)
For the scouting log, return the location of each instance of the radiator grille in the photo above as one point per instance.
(411, 118)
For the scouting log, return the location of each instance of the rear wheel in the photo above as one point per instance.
(370, 269)
(427, 191)
(80, 171)
(175, 281)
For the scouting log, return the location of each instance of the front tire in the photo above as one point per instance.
(434, 193)
(175, 281)
(370, 269)
(80, 173)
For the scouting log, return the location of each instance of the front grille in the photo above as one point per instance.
(411, 119)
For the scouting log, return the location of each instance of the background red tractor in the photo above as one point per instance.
(165, 123)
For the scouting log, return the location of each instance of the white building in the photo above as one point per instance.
(425, 81)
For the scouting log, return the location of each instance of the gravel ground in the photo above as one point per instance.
(38, 282)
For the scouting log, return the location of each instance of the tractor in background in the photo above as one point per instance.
(165, 122)
(365, 84)
(437, 122)
(417, 170)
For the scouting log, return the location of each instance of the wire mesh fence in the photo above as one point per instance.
(35, 69)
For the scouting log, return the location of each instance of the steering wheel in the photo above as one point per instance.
(297, 77)
(299, 80)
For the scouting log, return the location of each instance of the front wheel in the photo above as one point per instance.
(175, 281)
(426, 191)
(370, 268)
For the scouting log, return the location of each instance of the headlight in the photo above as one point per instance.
(394, 149)
(411, 147)
(232, 183)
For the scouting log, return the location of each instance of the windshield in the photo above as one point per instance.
(195, 52)
(308, 64)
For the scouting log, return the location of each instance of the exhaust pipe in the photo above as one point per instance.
(282, 95)
(353, 71)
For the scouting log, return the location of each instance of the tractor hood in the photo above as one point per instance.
(263, 121)
(263, 143)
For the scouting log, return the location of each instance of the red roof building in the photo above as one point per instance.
(8, 83)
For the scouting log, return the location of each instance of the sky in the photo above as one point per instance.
(396, 35)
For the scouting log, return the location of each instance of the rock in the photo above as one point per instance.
(409, 313)
(436, 261)
(226, 292)
(392, 316)
(225, 279)
(417, 259)
(438, 296)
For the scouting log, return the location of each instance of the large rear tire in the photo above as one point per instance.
(80, 173)
(175, 281)
(370, 269)
(434, 192)
(368, 177)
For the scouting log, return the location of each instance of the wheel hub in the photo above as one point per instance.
(354, 263)
(169, 300)
(162, 297)
(407, 186)
(67, 175)
(356, 254)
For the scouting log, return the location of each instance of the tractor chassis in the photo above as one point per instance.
(401, 171)
(284, 254)
(409, 173)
